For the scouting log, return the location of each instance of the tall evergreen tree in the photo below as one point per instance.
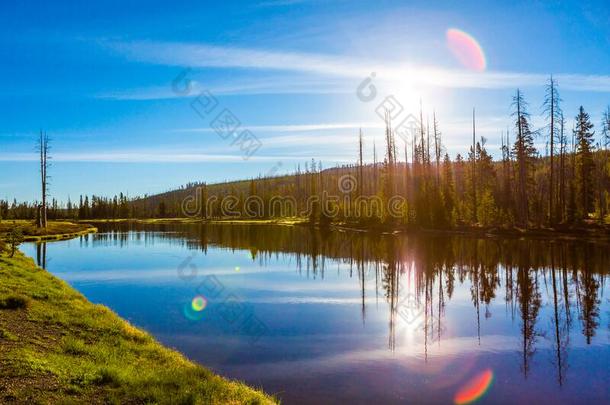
(460, 187)
(606, 128)
(563, 146)
(605, 164)
(524, 153)
(448, 189)
(506, 176)
(486, 180)
(473, 155)
(584, 164)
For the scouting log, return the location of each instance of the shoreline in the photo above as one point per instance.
(57, 346)
(56, 230)
(59, 237)
(595, 232)
(151, 221)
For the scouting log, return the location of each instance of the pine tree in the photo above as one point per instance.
(448, 189)
(486, 179)
(571, 203)
(563, 145)
(584, 164)
(506, 176)
(524, 153)
(86, 208)
(460, 187)
(81, 208)
(605, 164)
(204, 200)
(606, 128)
(473, 160)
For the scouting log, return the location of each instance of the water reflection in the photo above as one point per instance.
(544, 293)
(41, 254)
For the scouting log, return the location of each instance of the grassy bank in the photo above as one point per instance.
(57, 347)
(55, 230)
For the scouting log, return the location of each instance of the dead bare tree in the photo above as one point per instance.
(360, 165)
(437, 147)
(43, 149)
(553, 111)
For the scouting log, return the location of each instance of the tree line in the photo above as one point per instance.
(566, 184)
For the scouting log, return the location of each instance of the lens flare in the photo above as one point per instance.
(236, 268)
(466, 49)
(199, 303)
(475, 388)
(190, 314)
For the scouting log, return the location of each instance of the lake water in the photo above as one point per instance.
(349, 317)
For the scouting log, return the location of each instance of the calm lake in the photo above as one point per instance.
(348, 317)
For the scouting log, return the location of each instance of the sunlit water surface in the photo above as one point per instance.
(345, 317)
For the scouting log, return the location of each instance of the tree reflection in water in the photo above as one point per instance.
(417, 275)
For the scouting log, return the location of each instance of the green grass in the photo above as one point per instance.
(55, 230)
(57, 347)
(6, 335)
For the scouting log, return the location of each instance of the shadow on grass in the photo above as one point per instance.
(14, 302)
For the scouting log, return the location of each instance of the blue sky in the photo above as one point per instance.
(98, 79)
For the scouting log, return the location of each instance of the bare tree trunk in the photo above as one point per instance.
(360, 179)
(437, 149)
(407, 195)
(39, 216)
(551, 183)
(522, 157)
(375, 184)
(423, 144)
(44, 149)
(428, 166)
(44, 190)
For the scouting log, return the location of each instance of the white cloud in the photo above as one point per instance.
(252, 86)
(339, 66)
(138, 157)
(298, 127)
